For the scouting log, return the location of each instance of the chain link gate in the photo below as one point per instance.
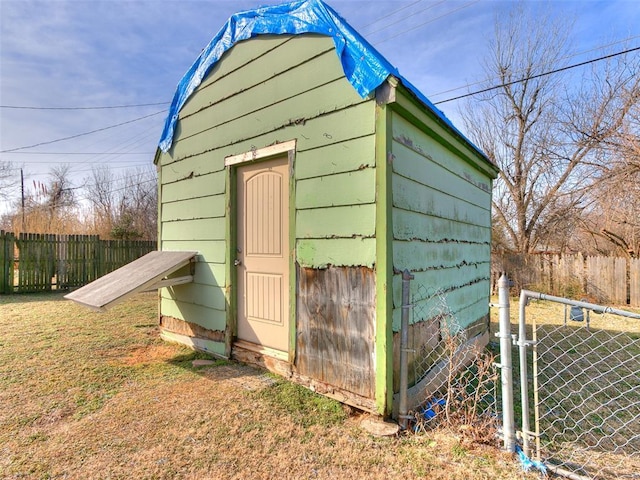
(579, 374)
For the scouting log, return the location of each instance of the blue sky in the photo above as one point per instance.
(82, 53)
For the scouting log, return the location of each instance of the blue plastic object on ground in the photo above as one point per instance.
(363, 66)
(528, 464)
(433, 407)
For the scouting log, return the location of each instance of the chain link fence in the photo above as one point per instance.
(587, 393)
(578, 368)
(462, 390)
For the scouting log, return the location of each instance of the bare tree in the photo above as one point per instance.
(613, 222)
(126, 206)
(100, 193)
(6, 177)
(546, 136)
(49, 207)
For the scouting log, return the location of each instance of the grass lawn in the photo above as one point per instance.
(99, 395)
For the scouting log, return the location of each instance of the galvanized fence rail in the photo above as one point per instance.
(34, 262)
(579, 399)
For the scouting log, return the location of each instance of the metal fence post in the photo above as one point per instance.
(404, 346)
(523, 343)
(506, 369)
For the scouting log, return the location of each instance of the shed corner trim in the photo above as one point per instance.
(386, 91)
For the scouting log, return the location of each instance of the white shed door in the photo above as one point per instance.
(262, 257)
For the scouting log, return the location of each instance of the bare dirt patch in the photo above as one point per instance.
(148, 354)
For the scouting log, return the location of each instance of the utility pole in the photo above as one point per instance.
(22, 192)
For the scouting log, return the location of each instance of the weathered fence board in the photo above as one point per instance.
(613, 280)
(607, 279)
(7, 243)
(39, 262)
(634, 282)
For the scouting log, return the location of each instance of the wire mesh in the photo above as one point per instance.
(440, 348)
(588, 394)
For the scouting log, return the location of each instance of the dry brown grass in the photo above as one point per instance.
(86, 395)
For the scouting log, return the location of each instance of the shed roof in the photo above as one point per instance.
(363, 65)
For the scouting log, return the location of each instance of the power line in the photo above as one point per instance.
(79, 163)
(403, 19)
(81, 134)
(391, 14)
(102, 107)
(77, 153)
(557, 70)
(600, 47)
(425, 23)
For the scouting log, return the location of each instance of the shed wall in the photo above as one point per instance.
(441, 226)
(266, 90)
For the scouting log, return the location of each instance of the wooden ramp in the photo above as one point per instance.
(144, 274)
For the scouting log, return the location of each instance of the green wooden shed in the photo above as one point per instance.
(308, 173)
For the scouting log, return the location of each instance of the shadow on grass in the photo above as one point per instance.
(12, 298)
(304, 407)
(186, 361)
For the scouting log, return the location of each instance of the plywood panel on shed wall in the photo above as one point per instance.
(267, 90)
(441, 226)
(336, 338)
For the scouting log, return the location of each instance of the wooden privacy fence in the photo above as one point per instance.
(613, 280)
(36, 262)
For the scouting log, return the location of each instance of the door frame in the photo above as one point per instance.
(231, 163)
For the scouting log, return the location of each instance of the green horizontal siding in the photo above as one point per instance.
(413, 196)
(429, 134)
(234, 60)
(429, 282)
(213, 251)
(408, 225)
(410, 136)
(268, 90)
(465, 315)
(441, 223)
(433, 175)
(313, 124)
(416, 256)
(194, 208)
(351, 188)
(349, 221)
(350, 155)
(201, 229)
(213, 274)
(313, 80)
(198, 165)
(204, 316)
(197, 294)
(310, 61)
(195, 187)
(320, 253)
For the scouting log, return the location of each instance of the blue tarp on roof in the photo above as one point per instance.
(363, 66)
